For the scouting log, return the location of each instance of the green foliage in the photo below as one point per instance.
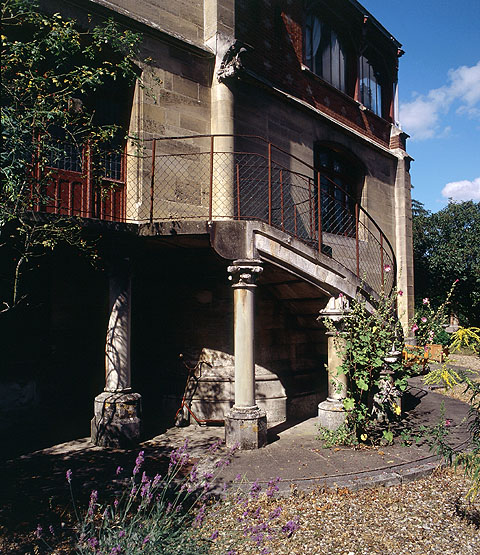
(340, 436)
(447, 245)
(469, 460)
(50, 70)
(468, 338)
(363, 343)
(429, 323)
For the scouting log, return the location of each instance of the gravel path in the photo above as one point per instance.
(428, 516)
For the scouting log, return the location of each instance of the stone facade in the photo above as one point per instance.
(230, 68)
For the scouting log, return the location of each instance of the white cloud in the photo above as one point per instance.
(462, 190)
(421, 117)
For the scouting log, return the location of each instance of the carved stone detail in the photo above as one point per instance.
(231, 63)
(244, 273)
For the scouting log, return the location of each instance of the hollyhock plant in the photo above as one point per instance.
(429, 323)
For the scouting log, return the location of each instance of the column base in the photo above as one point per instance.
(331, 414)
(246, 427)
(117, 419)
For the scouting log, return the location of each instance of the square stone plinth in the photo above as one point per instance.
(246, 428)
(117, 420)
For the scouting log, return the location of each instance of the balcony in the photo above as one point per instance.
(223, 177)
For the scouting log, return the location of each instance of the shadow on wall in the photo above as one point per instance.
(183, 304)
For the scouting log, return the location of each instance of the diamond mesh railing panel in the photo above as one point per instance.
(222, 177)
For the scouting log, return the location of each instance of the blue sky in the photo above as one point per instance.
(439, 93)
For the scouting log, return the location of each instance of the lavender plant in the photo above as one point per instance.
(178, 513)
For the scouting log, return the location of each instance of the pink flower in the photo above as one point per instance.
(414, 328)
(425, 300)
(456, 281)
(387, 268)
(400, 293)
(423, 319)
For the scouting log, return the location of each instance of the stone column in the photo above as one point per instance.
(245, 423)
(403, 234)
(331, 414)
(219, 35)
(117, 410)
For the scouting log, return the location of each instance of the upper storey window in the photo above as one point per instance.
(324, 53)
(370, 90)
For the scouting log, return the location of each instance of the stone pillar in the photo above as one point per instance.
(117, 410)
(403, 234)
(245, 423)
(331, 414)
(219, 35)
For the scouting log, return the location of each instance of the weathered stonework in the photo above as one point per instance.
(117, 420)
(246, 428)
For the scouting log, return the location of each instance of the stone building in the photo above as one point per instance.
(267, 152)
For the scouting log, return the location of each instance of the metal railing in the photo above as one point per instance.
(218, 177)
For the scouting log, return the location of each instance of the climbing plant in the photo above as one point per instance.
(366, 338)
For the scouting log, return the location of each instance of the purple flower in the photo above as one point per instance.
(179, 456)
(121, 534)
(138, 462)
(214, 535)
(68, 474)
(275, 513)
(194, 473)
(215, 446)
(425, 300)
(146, 540)
(119, 470)
(156, 480)
(200, 516)
(290, 527)
(238, 477)
(414, 328)
(115, 503)
(38, 531)
(145, 489)
(52, 531)
(93, 501)
(92, 542)
(116, 550)
(255, 489)
(272, 487)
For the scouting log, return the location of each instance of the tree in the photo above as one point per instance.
(447, 247)
(51, 69)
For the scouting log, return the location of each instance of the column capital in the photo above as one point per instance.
(336, 310)
(244, 273)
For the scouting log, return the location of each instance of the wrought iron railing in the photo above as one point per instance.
(218, 177)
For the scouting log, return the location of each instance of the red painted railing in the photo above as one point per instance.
(215, 177)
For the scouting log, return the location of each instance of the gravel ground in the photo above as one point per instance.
(427, 516)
